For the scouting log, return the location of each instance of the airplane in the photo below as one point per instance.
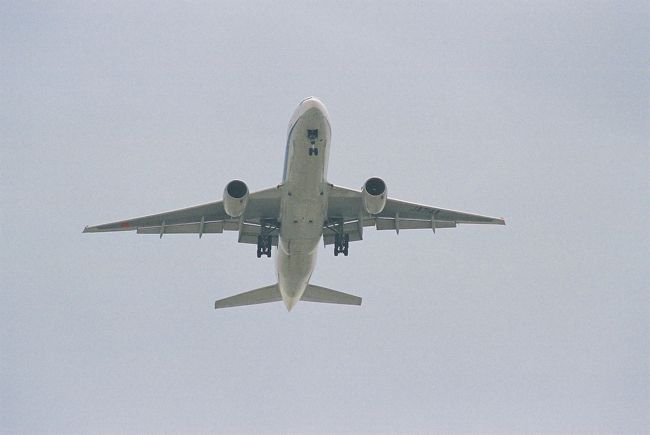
(295, 215)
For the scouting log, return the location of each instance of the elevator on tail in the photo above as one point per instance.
(297, 214)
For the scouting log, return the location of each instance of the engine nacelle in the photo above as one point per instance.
(235, 198)
(374, 195)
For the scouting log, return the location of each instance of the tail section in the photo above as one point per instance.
(315, 293)
(271, 293)
(261, 295)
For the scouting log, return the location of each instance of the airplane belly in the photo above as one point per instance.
(295, 264)
(303, 207)
(304, 202)
(302, 219)
(301, 229)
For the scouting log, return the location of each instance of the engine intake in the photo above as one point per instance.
(235, 198)
(374, 195)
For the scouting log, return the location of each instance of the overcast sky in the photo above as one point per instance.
(535, 111)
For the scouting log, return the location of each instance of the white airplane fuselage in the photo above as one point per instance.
(303, 207)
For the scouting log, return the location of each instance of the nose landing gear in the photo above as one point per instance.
(312, 135)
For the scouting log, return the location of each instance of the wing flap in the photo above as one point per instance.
(249, 232)
(411, 224)
(355, 236)
(194, 228)
(353, 229)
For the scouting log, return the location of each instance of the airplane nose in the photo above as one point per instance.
(310, 105)
(312, 102)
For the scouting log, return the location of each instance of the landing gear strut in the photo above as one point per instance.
(341, 243)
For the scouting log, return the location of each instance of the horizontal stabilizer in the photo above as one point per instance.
(257, 296)
(315, 293)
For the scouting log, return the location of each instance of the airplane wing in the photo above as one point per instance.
(263, 207)
(345, 208)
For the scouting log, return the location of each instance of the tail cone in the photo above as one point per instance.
(289, 302)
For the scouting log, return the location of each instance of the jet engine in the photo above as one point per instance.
(374, 195)
(235, 198)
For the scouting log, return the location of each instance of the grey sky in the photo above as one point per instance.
(535, 111)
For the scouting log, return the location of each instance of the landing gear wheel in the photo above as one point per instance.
(264, 246)
(313, 151)
(341, 244)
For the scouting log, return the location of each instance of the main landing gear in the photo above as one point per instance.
(341, 244)
(341, 239)
(265, 239)
(264, 246)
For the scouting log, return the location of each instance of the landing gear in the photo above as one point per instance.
(341, 244)
(312, 135)
(341, 239)
(265, 239)
(264, 246)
